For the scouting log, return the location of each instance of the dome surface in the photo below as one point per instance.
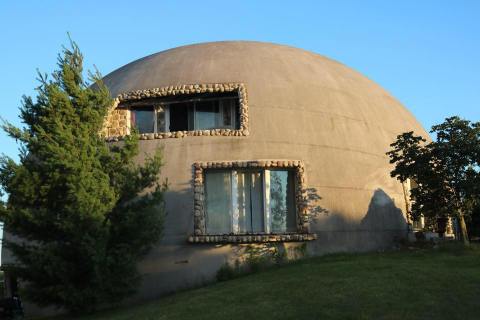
(301, 106)
(290, 77)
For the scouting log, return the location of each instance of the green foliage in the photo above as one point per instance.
(253, 258)
(84, 211)
(2, 284)
(446, 171)
(228, 271)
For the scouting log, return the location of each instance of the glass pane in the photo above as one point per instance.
(282, 201)
(191, 116)
(256, 194)
(143, 119)
(206, 115)
(161, 119)
(218, 202)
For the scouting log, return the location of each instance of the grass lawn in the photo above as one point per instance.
(417, 284)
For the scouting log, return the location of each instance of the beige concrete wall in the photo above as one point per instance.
(300, 106)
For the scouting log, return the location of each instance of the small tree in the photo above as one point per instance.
(82, 212)
(446, 171)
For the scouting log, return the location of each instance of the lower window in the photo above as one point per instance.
(250, 201)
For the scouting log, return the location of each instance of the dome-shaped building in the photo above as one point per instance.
(264, 145)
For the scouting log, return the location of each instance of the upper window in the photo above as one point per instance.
(187, 113)
(250, 201)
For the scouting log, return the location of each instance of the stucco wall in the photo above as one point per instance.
(300, 106)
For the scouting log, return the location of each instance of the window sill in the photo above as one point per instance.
(183, 134)
(253, 238)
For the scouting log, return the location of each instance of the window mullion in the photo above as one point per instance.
(266, 200)
(166, 110)
(155, 119)
(235, 212)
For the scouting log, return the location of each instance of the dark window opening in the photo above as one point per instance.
(179, 117)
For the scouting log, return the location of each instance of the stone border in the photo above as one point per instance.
(253, 238)
(200, 234)
(116, 124)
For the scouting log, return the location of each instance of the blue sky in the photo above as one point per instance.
(426, 53)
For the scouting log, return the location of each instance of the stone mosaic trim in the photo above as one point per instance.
(253, 238)
(117, 121)
(200, 234)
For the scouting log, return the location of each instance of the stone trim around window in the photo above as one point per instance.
(253, 238)
(200, 235)
(116, 125)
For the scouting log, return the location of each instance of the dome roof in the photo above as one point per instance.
(301, 106)
(273, 74)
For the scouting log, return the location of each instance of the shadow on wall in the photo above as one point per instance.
(383, 214)
(314, 208)
(381, 226)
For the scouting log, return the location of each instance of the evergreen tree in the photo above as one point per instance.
(82, 212)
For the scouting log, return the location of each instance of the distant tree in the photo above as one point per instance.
(82, 212)
(446, 171)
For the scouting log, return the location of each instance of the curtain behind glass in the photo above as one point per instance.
(243, 202)
(256, 201)
(250, 202)
(218, 202)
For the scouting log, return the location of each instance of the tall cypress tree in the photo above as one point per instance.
(82, 212)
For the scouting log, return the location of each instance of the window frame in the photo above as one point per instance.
(302, 233)
(118, 122)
